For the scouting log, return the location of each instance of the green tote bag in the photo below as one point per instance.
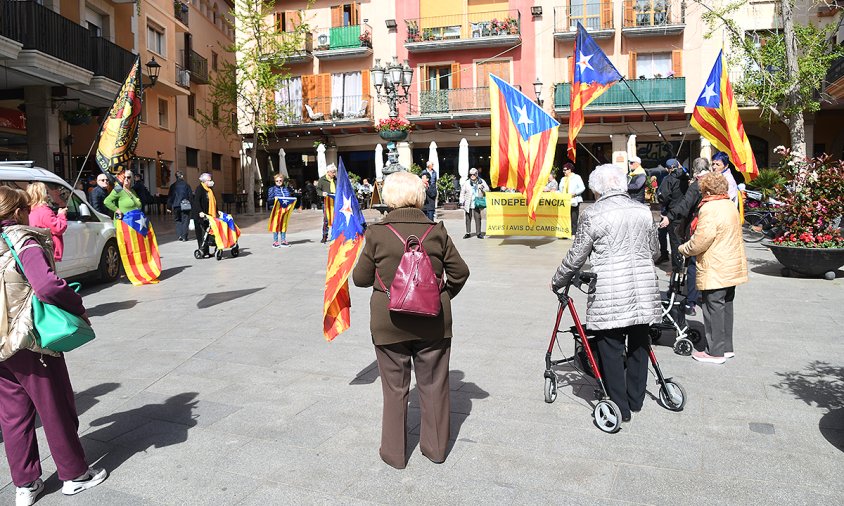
(55, 328)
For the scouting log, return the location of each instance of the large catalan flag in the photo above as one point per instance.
(522, 144)
(119, 131)
(345, 243)
(280, 215)
(716, 117)
(138, 248)
(224, 230)
(593, 74)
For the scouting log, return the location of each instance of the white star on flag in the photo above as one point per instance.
(142, 222)
(347, 208)
(523, 117)
(709, 92)
(583, 62)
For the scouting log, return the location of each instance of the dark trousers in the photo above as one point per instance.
(473, 214)
(430, 361)
(201, 227)
(27, 387)
(431, 214)
(182, 221)
(692, 294)
(663, 241)
(324, 227)
(674, 240)
(718, 319)
(575, 214)
(626, 388)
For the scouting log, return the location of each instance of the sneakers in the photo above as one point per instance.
(702, 356)
(689, 309)
(466, 236)
(729, 354)
(26, 496)
(90, 479)
(285, 244)
(481, 235)
(276, 245)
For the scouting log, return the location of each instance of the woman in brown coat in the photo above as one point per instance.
(721, 265)
(400, 338)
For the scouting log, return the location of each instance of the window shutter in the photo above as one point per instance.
(365, 80)
(570, 67)
(269, 110)
(308, 93)
(631, 65)
(606, 14)
(336, 15)
(455, 76)
(289, 25)
(629, 19)
(423, 77)
(677, 62)
(278, 22)
(355, 14)
(324, 93)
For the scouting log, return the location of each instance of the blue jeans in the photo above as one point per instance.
(279, 236)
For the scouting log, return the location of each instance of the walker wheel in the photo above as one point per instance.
(672, 396)
(694, 336)
(607, 416)
(197, 254)
(550, 390)
(235, 250)
(683, 347)
(219, 254)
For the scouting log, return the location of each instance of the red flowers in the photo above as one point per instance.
(393, 124)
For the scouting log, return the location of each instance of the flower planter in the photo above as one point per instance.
(812, 262)
(393, 135)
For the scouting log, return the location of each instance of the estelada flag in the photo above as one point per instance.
(522, 144)
(280, 215)
(224, 230)
(716, 117)
(138, 248)
(593, 75)
(328, 208)
(119, 131)
(345, 243)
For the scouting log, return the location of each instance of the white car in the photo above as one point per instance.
(90, 247)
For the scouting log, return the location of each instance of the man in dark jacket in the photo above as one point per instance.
(636, 180)
(670, 194)
(179, 200)
(327, 185)
(430, 206)
(98, 195)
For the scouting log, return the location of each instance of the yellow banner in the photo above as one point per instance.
(507, 214)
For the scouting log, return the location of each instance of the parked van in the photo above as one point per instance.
(90, 247)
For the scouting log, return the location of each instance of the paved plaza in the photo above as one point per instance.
(216, 387)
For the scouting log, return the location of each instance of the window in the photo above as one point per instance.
(346, 98)
(191, 157)
(216, 161)
(192, 105)
(653, 65)
(162, 113)
(213, 61)
(345, 15)
(144, 118)
(156, 42)
(215, 114)
(588, 12)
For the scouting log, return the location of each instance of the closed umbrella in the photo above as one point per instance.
(463, 160)
(282, 163)
(379, 162)
(321, 165)
(433, 158)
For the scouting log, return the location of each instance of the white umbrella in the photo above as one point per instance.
(379, 162)
(321, 165)
(433, 158)
(282, 163)
(463, 160)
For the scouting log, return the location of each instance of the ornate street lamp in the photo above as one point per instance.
(153, 69)
(392, 85)
(537, 90)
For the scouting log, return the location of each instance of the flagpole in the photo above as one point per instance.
(590, 153)
(664, 140)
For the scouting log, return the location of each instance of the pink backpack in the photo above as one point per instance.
(415, 288)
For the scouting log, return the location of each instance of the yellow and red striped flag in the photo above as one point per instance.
(523, 140)
(328, 208)
(138, 248)
(717, 119)
(224, 230)
(280, 215)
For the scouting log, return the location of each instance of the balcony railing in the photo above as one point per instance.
(302, 49)
(340, 108)
(182, 77)
(459, 100)
(339, 37)
(197, 65)
(653, 13)
(668, 92)
(180, 11)
(464, 27)
(111, 60)
(594, 15)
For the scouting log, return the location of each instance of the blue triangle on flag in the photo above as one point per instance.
(711, 94)
(528, 118)
(591, 64)
(348, 220)
(137, 221)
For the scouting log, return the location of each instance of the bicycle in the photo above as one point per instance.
(761, 222)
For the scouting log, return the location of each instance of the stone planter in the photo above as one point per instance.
(393, 135)
(812, 262)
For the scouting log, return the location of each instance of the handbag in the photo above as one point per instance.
(185, 205)
(55, 328)
(480, 202)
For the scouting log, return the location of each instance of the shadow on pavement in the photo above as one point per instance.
(367, 375)
(301, 241)
(820, 384)
(530, 243)
(172, 271)
(111, 307)
(212, 299)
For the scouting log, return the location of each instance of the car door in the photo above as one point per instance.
(77, 238)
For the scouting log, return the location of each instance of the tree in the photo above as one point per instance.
(785, 75)
(244, 90)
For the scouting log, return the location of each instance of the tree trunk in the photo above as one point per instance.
(796, 124)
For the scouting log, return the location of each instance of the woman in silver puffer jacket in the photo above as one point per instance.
(619, 237)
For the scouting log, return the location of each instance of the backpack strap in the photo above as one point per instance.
(403, 240)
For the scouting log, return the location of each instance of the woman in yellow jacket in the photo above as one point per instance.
(717, 243)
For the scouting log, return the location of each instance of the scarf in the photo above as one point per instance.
(212, 202)
(704, 200)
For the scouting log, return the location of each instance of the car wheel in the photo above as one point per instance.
(109, 269)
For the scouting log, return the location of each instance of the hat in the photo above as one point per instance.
(635, 159)
(672, 163)
(473, 171)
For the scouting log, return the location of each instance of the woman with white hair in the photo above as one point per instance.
(204, 205)
(473, 201)
(618, 236)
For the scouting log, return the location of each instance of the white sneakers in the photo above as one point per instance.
(26, 496)
(90, 479)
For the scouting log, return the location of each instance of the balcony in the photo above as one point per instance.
(332, 111)
(463, 102)
(645, 18)
(111, 60)
(182, 77)
(304, 48)
(196, 65)
(594, 15)
(343, 42)
(655, 94)
(464, 31)
(180, 12)
(835, 79)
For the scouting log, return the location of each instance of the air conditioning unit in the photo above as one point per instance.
(183, 78)
(323, 39)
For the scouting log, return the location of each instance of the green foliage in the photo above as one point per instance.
(415, 169)
(767, 182)
(446, 188)
(354, 179)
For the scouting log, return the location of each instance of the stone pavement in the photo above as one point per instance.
(216, 387)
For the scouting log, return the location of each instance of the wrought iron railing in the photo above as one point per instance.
(464, 26)
(42, 29)
(197, 65)
(343, 37)
(592, 14)
(180, 11)
(111, 60)
(459, 100)
(294, 111)
(662, 91)
(653, 13)
(182, 76)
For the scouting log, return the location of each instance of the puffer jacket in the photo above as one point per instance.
(619, 238)
(468, 192)
(718, 245)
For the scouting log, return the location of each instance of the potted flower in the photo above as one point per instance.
(809, 239)
(365, 39)
(512, 26)
(78, 116)
(393, 129)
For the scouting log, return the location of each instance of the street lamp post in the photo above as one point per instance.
(392, 85)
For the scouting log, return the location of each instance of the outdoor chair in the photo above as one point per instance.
(314, 116)
(362, 111)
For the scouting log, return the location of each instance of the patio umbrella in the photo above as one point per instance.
(379, 162)
(463, 160)
(282, 163)
(432, 157)
(320, 160)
